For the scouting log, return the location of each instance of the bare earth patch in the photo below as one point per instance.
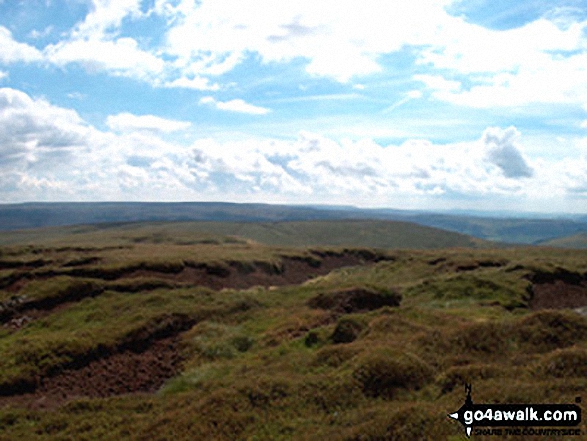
(292, 272)
(122, 373)
(559, 294)
(146, 362)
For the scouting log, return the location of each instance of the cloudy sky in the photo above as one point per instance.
(429, 104)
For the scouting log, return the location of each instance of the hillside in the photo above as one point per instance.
(510, 230)
(574, 241)
(351, 233)
(500, 229)
(138, 332)
(37, 215)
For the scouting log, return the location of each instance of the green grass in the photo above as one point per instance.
(578, 241)
(360, 233)
(289, 362)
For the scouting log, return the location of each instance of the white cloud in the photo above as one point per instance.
(469, 48)
(3, 75)
(196, 83)
(50, 153)
(76, 95)
(34, 34)
(236, 105)
(34, 129)
(557, 81)
(120, 57)
(95, 44)
(12, 51)
(540, 62)
(41, 184)
(126, 122)
(414, 94)
(338, 40)
(106, 16)
(438, 84)
(411, 95)
(502, 151)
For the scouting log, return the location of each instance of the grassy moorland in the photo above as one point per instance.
(133, 332)
(574, 241)
(361, 233)
(487, 226)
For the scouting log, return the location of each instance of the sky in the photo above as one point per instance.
(420, 104)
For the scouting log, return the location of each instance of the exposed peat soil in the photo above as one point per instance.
(122, 373)
(144, 363)
(292, 271)
(559, 290)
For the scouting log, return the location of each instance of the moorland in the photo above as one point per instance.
(338, 330)
(495, 226)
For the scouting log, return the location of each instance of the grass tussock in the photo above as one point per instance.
(335, 356)
(564, 363)
(383, 373)
(347, 330)
(456, 376)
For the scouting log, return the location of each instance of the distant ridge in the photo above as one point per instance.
(40, 214)
(502, 229)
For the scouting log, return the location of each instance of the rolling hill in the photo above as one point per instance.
(574, 241)
(350, 233)
(516, 229)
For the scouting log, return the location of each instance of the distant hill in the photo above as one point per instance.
(575, 241)
(348, 233)
(511, 230)
(37, 215)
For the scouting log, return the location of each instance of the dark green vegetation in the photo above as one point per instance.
(134, 332)
(529, 230)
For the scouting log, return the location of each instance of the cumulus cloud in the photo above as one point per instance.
(345, 40)
(95, 43)
(12, 51)
(236, 105)
(502, 152)
(127, 122)
(338, 40)
(542, 61)
(49, 152)
(33, 130)
(119, 57)
(106, 16)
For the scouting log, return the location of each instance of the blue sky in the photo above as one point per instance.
(427, 104)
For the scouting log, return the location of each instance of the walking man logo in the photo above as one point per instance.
(522, 416)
